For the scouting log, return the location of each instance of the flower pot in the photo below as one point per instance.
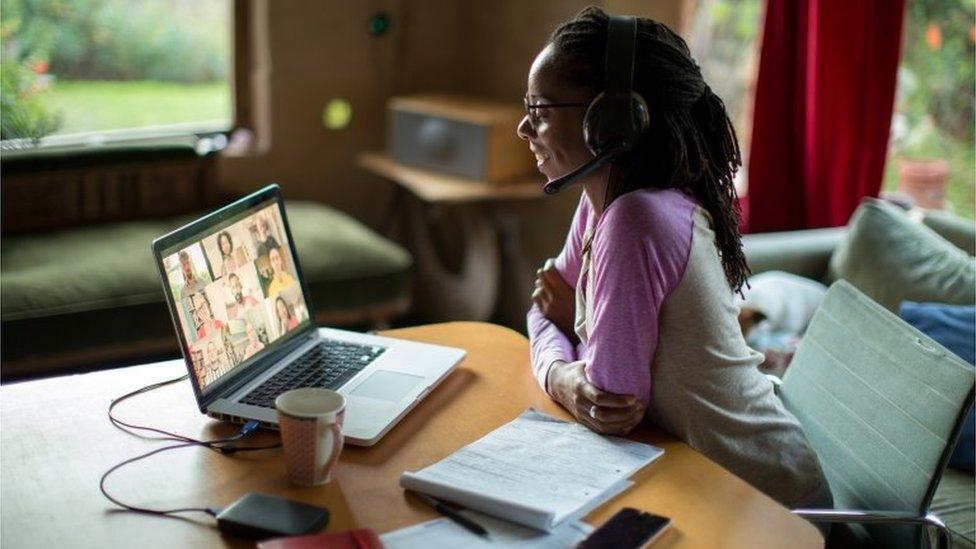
(924, 180)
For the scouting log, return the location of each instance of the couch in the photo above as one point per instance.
(78, 284)
(892, 256)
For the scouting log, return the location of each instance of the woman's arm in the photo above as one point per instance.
(639, 256)
(548, 343)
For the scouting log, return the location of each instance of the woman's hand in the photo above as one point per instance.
(603, 412)
(556, 299)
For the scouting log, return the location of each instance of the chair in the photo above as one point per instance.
(882, 405)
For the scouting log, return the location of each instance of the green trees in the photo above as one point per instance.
(43, 41)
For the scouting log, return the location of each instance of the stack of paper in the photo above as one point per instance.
(536, 471)
(442, 533)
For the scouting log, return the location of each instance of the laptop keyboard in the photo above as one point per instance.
(328, 364)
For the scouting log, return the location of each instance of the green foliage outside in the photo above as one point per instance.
(724, 42)
(48, 44)
(23, 114)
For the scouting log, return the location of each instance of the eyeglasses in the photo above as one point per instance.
(532, 109)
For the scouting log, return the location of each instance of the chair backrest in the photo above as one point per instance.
(881, 404)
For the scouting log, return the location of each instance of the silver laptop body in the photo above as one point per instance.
(241, 311)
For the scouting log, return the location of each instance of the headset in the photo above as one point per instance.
(617, 117)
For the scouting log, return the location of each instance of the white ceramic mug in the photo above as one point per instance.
(310, 419)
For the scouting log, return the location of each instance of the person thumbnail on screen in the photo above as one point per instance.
(187, 272)
(288, 310)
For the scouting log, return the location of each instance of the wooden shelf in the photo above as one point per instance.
(434, 187)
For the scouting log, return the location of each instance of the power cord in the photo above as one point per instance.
(218, 445)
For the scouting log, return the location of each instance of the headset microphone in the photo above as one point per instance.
(557, 185)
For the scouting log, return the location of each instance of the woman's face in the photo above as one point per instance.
(555, 135)
(275, 256)
(225, 247)
(282, 310)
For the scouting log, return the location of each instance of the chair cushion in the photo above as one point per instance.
(954, 326)
(855, 384)
(893, 259)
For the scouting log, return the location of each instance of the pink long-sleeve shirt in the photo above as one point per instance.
(640, 248)
(658, 321)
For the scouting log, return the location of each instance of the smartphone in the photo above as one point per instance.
(628, 529)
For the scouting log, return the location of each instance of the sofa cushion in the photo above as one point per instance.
(98, 289)
(955, 505)
(804, 253)
(955, 229)
(892, 259)
(109, 266)
(346, 264)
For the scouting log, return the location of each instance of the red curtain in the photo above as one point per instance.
(822, 114)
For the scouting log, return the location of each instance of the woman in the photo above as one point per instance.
(226, 246)
(280, 279)
(646, 278)
(206, 324)
(286, 316)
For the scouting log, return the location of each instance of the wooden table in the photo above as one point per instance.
(57, 442)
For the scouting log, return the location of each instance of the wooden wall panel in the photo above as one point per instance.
(318, 49)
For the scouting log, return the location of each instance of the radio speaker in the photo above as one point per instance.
(470, 138)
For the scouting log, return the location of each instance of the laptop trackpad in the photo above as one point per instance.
(387, 385)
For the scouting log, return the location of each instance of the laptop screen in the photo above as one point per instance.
(235, 290)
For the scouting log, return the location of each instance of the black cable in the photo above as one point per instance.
(131, 427)
(217, 445)
(144, 510)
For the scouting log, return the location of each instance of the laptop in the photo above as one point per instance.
(242, 313)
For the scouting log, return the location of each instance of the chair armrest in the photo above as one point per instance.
(929, 521)
(804, 253)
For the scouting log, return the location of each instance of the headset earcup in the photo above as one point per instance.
(641, 115)
(615, 121)
(593, 126)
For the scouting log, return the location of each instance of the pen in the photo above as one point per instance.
(464, 522)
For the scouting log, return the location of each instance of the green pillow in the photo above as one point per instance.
(893, 259)
(953, 228)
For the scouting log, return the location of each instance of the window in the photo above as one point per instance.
(77, 70)
(725, 36)
(931, 155)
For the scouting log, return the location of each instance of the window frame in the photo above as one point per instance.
(207, 137)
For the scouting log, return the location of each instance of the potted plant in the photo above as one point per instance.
(919, 148)
(923, 171)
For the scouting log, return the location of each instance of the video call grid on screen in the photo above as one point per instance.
(235, 290)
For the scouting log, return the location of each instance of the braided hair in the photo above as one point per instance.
(690, 143)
